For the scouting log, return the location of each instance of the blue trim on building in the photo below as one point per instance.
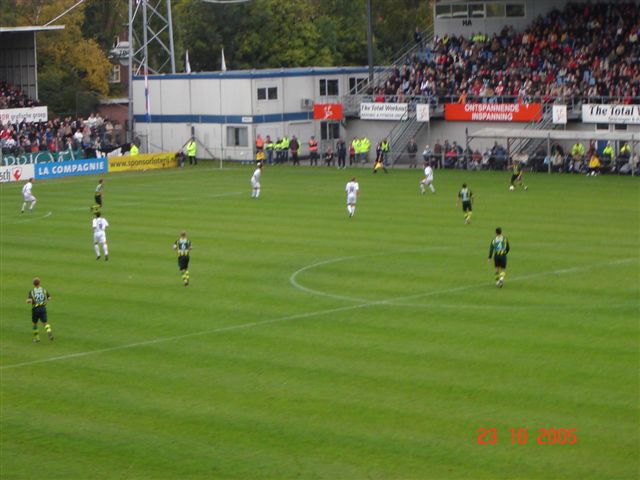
(251, 74)
(224, 119)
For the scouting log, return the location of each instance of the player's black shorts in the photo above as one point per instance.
(39, 313)
(98, 199)
(183, 262)
(500, 261)
(514, 178)
(466, 206)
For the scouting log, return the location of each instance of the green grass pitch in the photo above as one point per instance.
(311, 345)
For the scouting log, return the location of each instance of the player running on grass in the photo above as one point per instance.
(516, 176)
(255, 181)
(183, 247)
(38, 298)
(427, 180)
(499, 249)
(466, 196)
(28, 196)
(353, 191)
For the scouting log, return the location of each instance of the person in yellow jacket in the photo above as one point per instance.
(594, 165)
(192, 151)
(133, 151)
(607, 152)
(285, 149)
(365, 146)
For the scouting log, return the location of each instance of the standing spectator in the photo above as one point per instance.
(385, 147)
(417, 36)
(341, 148)
(259, 143)
(294, 146)
(412, 150)
(313, 151)
(285, 149)
(192, 151)
(268, 146)
(352, 153)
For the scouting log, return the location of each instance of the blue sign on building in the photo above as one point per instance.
(74, 167)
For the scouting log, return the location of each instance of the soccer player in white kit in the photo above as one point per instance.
(353, 191)
(28, 196)
(428, 179)
(255, 181)
(100, 235)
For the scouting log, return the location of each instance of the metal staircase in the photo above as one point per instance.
(400, 135)
(529, 146)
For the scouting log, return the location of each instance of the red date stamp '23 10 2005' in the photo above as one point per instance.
(519, 436)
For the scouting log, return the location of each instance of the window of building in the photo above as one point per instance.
(268, 93)
(329, 130)
(476, 10)
(515, 9)
(237, 137)
(495, 9)
(443, 11)
(114, 75)
(328, 87)
(459, 11)
(356, 83)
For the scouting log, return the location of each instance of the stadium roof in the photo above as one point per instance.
(30, 29)
(557, 134)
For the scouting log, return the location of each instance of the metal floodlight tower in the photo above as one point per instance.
(150, 28)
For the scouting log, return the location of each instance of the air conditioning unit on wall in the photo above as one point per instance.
(306, 103)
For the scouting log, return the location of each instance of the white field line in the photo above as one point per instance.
(30, 218)
(300, 316)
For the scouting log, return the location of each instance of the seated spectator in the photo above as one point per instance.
(594, 165)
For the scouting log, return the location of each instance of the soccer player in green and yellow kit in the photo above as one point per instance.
(38, 298)
(499, 249)
(466, 195)
(516, 176)
(183, 247)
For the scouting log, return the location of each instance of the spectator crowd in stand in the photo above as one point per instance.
(585, 50)
(12, 97)
(61, 134)
(70, 133)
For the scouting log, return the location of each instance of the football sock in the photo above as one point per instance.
(23, 205)
(97, 248)
(497, 276)
(502, 275)
(422, 188)
(47, 328)
(32, 205)
(257, 192)
(433, 190)
(106, 249)
(36, 332)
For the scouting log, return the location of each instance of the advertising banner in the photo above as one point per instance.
(327, 111)
(41, 157)
(142, 162)
(383, 111)
(16, 174)
(17, 115)
(559, 114)
(423, 113)
(493, 112)
(593, 113)
(71, 168)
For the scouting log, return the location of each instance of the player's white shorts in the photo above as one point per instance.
(255, 184)
(427, 180)
(351, 199)
(29, 198)
(100, 237)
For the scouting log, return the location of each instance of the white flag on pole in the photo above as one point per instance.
(223, 64)
(187, 65)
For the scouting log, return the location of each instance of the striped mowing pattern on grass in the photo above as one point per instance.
(387, 344)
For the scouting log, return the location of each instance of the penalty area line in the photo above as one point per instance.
(300, 316)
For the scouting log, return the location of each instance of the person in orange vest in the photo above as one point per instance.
(259, 143)
(313, 151)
